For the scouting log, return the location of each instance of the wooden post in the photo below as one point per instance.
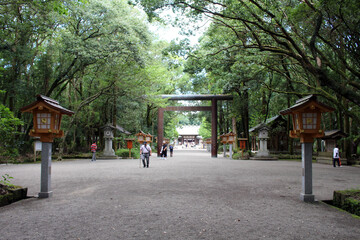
(213, 128)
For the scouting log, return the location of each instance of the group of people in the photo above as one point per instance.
(163, 151)
(145, 153)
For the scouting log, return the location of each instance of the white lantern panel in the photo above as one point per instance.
(309, 120)
(43, 120)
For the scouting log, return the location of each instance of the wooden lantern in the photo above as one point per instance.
(141, 137)
(223, 138)
(148, 138)
(47, 115)
(231, 137)
(306, 117)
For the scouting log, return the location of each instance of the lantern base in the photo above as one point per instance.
(307, 197)
(45, 194)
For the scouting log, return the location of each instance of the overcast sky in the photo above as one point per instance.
(168, 32)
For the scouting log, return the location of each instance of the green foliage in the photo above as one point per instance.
(6, 180)
(349, 200)
(124, 153)
(205, 129)
(8, 132)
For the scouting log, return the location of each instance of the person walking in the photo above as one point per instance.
(163, 153)
(145, 153)
(93, 148)
(171, 147)
(336, 156)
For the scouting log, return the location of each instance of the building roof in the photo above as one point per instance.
(268, 122)
(188, 130)
(334, 134)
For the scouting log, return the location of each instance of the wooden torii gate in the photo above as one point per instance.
(212, 108)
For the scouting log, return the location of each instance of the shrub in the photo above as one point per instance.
(124, 153)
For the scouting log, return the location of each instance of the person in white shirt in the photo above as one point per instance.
(145, 153)
(336, 156)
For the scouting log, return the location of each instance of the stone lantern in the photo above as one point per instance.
(263, 137)
(108, 137)
(47, 115)
(306, 117)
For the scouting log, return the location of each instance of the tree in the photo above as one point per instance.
(8, 132)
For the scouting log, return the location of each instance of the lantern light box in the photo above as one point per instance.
(231, 137)
(306, 116)
(47, 114)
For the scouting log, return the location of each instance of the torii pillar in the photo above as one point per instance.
(213, 109)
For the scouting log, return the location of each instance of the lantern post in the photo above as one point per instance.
(47, 115)
(306, 118)
(231, 138)
(223, 140)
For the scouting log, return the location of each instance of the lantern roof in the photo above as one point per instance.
(117, 127)
(306, 102)
(334, 134)
(140, 133)
(272, 122)
(49, 103)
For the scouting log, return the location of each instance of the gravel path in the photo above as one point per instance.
(189, 196)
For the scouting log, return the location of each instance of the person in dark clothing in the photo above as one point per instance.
(171, 147)
(163, 154)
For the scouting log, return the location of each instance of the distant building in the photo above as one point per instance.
(189, 134)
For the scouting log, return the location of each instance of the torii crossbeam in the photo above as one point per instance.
(212, 108)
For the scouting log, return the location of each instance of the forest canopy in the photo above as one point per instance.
(99, 59)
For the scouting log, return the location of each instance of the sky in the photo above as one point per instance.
(168, 32)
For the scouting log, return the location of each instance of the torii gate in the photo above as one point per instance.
(212, 108)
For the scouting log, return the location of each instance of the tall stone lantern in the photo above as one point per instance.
(263, 138)
(306, 117)
(47, 115)
(108, 137)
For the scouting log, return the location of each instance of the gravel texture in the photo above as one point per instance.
(188, 196)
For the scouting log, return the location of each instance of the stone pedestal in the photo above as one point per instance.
(45, 185)
(263, 153)
(306, 194)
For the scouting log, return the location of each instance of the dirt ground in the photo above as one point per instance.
(189, 196)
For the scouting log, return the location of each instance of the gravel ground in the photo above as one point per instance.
(189, 196)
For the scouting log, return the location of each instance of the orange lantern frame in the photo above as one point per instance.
(141, 137)
(223, 138)
(231, 137)
(306, 118)
(47, 115)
